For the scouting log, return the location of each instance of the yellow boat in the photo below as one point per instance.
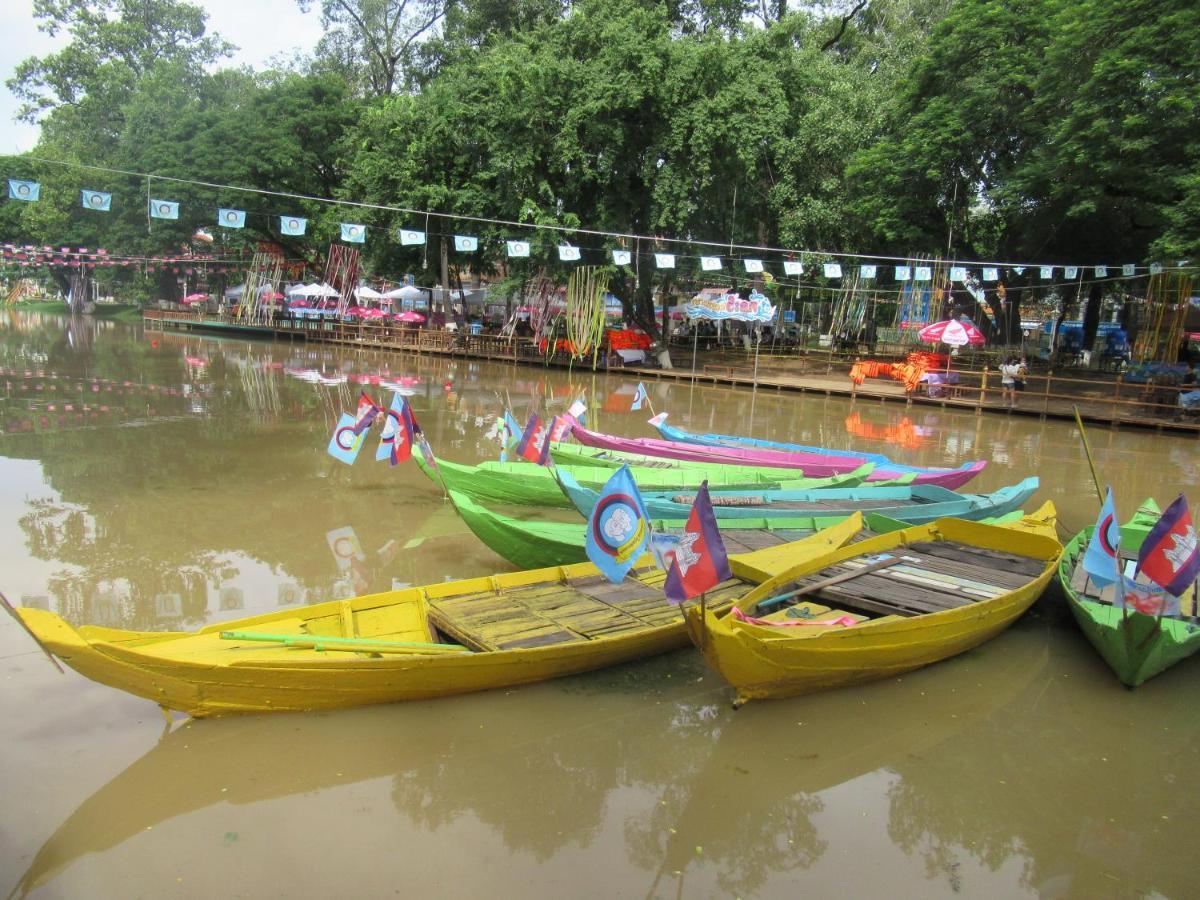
(410, 644)
(877, 607)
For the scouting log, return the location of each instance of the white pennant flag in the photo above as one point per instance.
(518, 248)
(753, 265)
(1047, 273)
(793, 267)
(1101, 271)
(904, 273)
(866, 271)
(710, 263)
(567, 253)
(621, 257)
(924, 273)
(664, 260)
(991, 274)
(1129, 270)
(833, 270)
(410, 238)
(958, 273)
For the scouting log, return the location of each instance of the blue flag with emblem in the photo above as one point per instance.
(346, 441)
(164, 209)
(639, 397)
(1100, 558)
(231, 218)
(353, 234)
(29, 191)
(618, 530)
(97, 200)
(292, 225)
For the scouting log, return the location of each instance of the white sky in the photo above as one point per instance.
(261, 29)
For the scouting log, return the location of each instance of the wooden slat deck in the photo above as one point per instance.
(582, 609)
(947, 575)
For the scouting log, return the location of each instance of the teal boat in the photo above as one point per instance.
(914, 504)
(526, 484)
(1135, 646)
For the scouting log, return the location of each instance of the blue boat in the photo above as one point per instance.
(916, 504)
(967, 471)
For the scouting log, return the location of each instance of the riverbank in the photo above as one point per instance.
(1100, 398)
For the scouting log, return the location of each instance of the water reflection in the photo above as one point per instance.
(1021, 766)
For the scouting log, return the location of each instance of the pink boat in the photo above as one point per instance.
(810, 465)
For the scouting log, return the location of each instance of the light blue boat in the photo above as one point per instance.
(915, 504)
(959, 475)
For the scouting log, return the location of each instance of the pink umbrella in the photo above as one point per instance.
(954, 332)
(410, 316)
(195, 298)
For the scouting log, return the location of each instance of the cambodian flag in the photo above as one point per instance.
(366, 413)
(1100, 558)
(560, 427)
(700, 561)
(1168, 556)
(639, 397)
(618, 530)
(534, 445)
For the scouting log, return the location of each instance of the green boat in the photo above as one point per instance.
(533, 544)
(1135, 646)
(526, 484)
(565, 454)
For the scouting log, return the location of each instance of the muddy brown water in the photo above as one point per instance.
(162, 481)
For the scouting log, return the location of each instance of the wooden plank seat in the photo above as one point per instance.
(945, 576)
(581, 609)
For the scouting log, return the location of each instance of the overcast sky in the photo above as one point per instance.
(261, 29)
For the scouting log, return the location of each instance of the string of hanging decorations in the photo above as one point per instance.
(903, 272)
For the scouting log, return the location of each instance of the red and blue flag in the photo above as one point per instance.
(395, 443)
(1168, 556)
(534, 445)
(618, 529)
(700, 561)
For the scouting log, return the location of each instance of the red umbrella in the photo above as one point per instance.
(954, 332)
(410, 316)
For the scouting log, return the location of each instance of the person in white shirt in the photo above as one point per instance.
(1010, 371)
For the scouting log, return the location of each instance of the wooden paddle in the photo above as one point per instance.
(762, 605)
(12, 612)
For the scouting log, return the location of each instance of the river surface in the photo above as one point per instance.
(155, 480)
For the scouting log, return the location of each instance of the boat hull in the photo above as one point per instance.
(764, 662)
(1135, 646)
(885, 468)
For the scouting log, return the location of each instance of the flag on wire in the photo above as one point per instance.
(534, 445)
(395, 443)
(518, 248)
(700, 561)
(618, 528)
(231, 218)
(621, 257)
(97, 200)
(1100, 558)
(346, 442)
(29, 191)
(664, 260)
(409, 238)
(1168, 556)
(710, 263)
(365, 415)
(164, 209)
(793, 267)
(353, 234)
(292, 225)
(568, 253)
(465, 244)
(639, 397)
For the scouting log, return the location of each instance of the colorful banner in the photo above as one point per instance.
(1168, 556)
(757, 308)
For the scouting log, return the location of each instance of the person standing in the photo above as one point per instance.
(1010, 370)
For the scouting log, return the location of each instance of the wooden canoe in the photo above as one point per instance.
(811, 463)
(526, 484)
(953, 478)
(927, 593)
(1135, 646)
(506, 630)
(910, 503)
(534, 543)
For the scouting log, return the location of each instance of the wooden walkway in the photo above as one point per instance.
(1101, 400)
